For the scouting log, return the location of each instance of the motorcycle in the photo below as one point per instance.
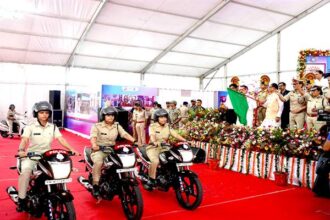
(173, 171)
(18, 127)
(47, 191)
(117, 178)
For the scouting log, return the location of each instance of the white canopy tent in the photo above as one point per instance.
(158, 43)
(188, 37)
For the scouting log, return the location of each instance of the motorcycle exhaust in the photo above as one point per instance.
(13, 194)
(84, 182)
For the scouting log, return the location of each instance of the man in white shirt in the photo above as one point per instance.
(319, 80)
(274, 108)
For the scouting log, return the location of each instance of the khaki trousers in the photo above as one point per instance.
(153, 154)
(297, 120)
(141, 133)
(312, 122)
(97, 158)
(27, 167)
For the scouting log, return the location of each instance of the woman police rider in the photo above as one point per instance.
(104, 134)
(39, 136)
(159, 132)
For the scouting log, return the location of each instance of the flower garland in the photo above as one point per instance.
(302, 59)
(227, 157)
(287, 164)
(307, 174)
(266, 166)
(242, 158)
(233, 159)
(258, 164)
(276, 162)
(248, 162)
(298, 172)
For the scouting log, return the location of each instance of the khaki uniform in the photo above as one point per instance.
(40, 139)
(261, 110)
(160, 134)
(11, 119)
(311, 117)
(140, 119)
(174, 115)
(105, 136)
(297, 102)
(184, 115)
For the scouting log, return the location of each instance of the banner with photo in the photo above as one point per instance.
(82, 105)
(317, 63)
(125, 96)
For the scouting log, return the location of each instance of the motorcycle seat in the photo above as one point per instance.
(143, 151)
(88, 158)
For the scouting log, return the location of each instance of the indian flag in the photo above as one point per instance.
(240, 105)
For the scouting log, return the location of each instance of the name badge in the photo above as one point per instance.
(157, 132)
(103, 133)
(36, 133)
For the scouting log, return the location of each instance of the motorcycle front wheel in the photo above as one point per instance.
(189, 193)
(4, 134)
(131, 201)
(62, 211)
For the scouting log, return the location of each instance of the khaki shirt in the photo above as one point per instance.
(106, 135)
(139, 116)
(296, 100)
(262, 96)
(315, 102)
(161, 133)
(11, 114)
(184, 111)
(174, 114)
(41, 137)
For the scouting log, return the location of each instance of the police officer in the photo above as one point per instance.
(315, 102)
(175, 115)
(11, 118)
(159, 132)
(140, 118)
(104, 134)
(261, 99)
(40, 136)
(297, 104)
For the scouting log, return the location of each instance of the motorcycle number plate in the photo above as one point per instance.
(51, 182)
(126, 170)
(183, 164)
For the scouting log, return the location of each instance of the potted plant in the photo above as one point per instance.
(213, 160)
(281, 176)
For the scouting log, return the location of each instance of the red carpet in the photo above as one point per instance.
(227, 195)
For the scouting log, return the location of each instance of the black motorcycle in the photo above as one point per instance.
(47, 192)
(173, 171)
(117, 178)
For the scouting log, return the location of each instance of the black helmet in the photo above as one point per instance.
(11, 106)
(42, 106)
(108, 111)
(160, 113)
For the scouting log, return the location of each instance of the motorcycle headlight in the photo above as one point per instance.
(128, 160)
(186, 155)
(61, 170)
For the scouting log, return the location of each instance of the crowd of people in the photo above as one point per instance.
(141, 118)
(274, 106)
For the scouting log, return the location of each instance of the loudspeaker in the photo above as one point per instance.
(57, 118)
(122, 118)
(55, 98)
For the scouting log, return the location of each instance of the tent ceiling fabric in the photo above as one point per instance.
(142, 36)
